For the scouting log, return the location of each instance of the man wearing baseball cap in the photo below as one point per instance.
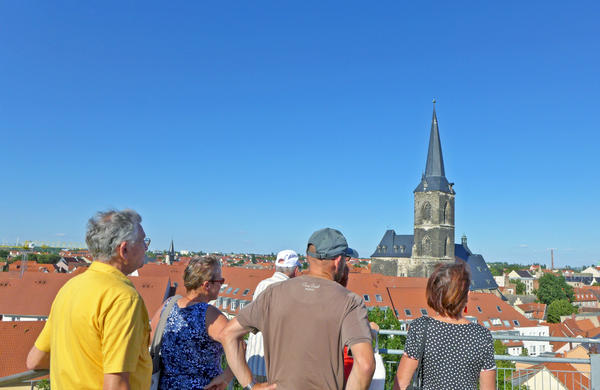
(305, 322)
(286, 267)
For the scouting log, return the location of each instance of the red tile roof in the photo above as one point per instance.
(33, 294)
(16, 339)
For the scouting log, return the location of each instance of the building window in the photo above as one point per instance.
(479, 309)
(223, 287)
(395, 248)
(396, 312)
(246, 291)
(424, 312)
(498, 307)
(378, 298)
(427, 248)
(447, 212)
(402, 248)
(366, 298)
(229, 290)
(516, 322)
(407, 312)
(426, 212)
(486, 324)
(496, 321)
(236, 291)
(506, 323)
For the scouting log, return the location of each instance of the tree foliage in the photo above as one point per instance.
(519, 286)
(387, 320)
(562, 307)
(504, 368)
(498, 268)
(553, 288)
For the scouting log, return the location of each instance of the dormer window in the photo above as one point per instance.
(246, 291)
(366, 298)
(407, 312)
(395, 248)
(402, 249)
(378, 298)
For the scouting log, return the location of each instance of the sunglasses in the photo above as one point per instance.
(220, 281)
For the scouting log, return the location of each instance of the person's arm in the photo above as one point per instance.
(231, 337)
(37, 359)
(487, 380)
(233, 343)
(363, 367)
(406, 370)
(116, 381)
(154, 322)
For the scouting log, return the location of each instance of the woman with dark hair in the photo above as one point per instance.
(456, 352)
(191, 351)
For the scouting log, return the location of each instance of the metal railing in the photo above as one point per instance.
(530, 378)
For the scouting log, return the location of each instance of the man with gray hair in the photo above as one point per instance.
(286, 267)
(97, 334)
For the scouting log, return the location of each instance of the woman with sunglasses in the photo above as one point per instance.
(191, 351)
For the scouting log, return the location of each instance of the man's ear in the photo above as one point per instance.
(123, 250)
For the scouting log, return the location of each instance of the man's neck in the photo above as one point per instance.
(321, 275)
(117, 264)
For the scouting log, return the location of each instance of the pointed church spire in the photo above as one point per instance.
(434, 178)
(172, 248)
(435, 161)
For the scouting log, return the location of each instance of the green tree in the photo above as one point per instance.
(387, 320)
(504, 368)
(49, 258)
(519, 285)
(553, 288)
(562, 307)
(43, 384)
(3, 254)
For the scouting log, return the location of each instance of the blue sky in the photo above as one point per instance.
(248, 125)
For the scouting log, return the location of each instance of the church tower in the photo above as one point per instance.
(434, 212)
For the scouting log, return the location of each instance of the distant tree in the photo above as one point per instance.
(253, 259)
(519, 285)
(553, 288)
(48, 258)
(595, 284)
(562, 307)
(4, 254)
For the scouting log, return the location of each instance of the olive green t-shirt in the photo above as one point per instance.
(305, 322)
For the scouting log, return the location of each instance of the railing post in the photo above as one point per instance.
(595, 370)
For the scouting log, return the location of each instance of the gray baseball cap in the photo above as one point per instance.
(329, 244)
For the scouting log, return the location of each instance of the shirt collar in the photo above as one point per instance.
(99, 266)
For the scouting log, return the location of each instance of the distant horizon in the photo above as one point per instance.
(245, 128)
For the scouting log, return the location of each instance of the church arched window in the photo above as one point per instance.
(447, 214)
(427, 248)
(426, 212)
(448, 247)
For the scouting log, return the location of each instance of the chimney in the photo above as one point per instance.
(464, 240)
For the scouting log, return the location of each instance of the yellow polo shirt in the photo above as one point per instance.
(98, 325)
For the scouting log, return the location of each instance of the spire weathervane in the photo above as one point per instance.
(433, 101)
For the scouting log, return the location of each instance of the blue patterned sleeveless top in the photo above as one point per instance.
(189, 357)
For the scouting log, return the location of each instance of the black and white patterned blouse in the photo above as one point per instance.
(455, 354)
